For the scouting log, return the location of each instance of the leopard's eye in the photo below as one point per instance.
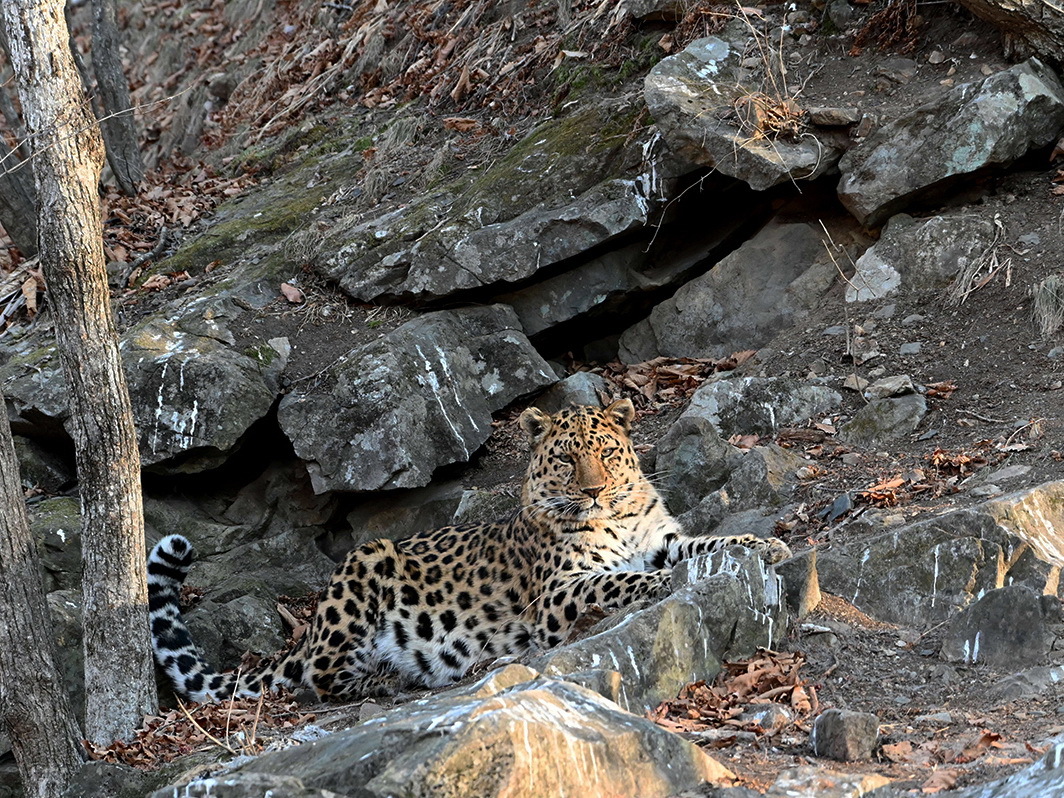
(566, 458)
(609, 451)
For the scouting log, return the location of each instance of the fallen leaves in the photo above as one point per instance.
(233, 725)
(668, 381)
(769, 678)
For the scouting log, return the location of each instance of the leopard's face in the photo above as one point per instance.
(583, 466)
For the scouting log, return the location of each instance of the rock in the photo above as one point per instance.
(64, 607)
(1005, 629)
(484, 505)
(582, 388)
(42, 468)
(909, 349)
(899, 385)
(397, 514)
(883, 420)
(251, 785)
(801, 584)
(577, 743)
(1029, 27)
(923, 573)
(505, 224)
(921, 254)
(56, 526)
(692, 461)
(768, 284)
(418, 398)
(725, 606)
(654, 10)
(844, 735)
(764, 478)
(833, 117)
(1027, 683)
(692, 97)
(823, 783)
(760, 405)
(1045, 777)
(990, 122)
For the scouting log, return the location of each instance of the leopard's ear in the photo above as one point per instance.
(535, 422)
(621, 412)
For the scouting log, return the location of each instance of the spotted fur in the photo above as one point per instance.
(591, 530)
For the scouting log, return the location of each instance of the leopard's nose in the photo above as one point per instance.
(593, 490)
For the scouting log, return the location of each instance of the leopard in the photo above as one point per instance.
(591, 532)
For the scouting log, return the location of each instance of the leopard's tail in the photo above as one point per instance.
(192, 676)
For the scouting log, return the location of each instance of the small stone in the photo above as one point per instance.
(829, 116)
(935, 718)
(855, 382)
(769, 717)
(899, 70)
(901, 700)
(1030, 239)
(912, 348)
(865, 127)
(845, 735)
(987, 70)
(851, 459)
(838, 329)
(885, 312)
(1056, 352)
(986, 490)
(914, 318)
(890, 386)
(936, 57)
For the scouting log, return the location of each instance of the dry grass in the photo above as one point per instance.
(1048, 296)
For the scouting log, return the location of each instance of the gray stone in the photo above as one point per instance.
(418, 398)
(919, 254)
(899, 385)
(726, 605)
(42, 468)
(1044, 778)
(990, 122)
(397, 514)
(577, 743)
(827, 116)
(56, 526)
(692, 97)
(911, 348)
(64, 607)
(884, 420)
(691, 461)
(1027, 683)
(477, 505)
(824, 783)
(1005, 629)
(844, 735)
(506, 223)
(768, 284)
(923, 573)
(582, 388)
(760, 405)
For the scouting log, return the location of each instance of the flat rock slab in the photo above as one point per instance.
(1005, 629)
(987, 123)
(420, 397)
(919, 254)
(884, 420)
(926, 572)
(769, 284)
(538, 738)
(692, 97)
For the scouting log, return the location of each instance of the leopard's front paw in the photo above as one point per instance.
(774, 550)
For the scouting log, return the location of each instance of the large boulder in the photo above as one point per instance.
(541, 737)
(502, 226)
(420, 397)
(1029, 27)
(727, 605)
(988, 123)
(697, 98)
(919, 254)
(760, 405)
(925, 572)
(765, 286)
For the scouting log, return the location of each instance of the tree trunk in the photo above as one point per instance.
(119, 676)
(35, 711)
(119, 127)
(17, 214)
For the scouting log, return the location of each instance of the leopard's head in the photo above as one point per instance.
(583, 466)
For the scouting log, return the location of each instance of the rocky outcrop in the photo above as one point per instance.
(418, 398)
(770, 282)
(1029, 27)
(924, 573)
(540, 737)
(704, 102)
(726, 606)
(989, 123)
(919, 254)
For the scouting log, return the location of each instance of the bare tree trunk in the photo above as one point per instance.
(119, 676)
(119, 127)
(34, 708)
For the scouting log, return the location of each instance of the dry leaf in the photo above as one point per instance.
(292, 294)
(898, 752)
(460, 123)
(940, 780)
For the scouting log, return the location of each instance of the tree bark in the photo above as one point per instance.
(119, 126)
(119, 675)
(34, 708)
(17, 215)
